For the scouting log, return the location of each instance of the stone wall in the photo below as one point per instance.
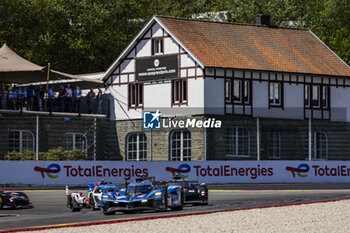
(160, 139)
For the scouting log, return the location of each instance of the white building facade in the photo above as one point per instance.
(277, 98)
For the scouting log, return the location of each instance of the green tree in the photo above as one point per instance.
(82, 36)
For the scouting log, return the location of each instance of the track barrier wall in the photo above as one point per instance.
(82, 172)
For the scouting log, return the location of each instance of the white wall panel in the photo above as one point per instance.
(260, 95)
(214, 95)
(186, 61)
(157, 95)
(144, 48)
(157, 30)
(196, 93)
(191, 72)
(340, 104)
(127, 66)
(170, 46)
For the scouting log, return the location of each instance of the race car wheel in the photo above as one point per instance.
(180, 207)
(205, 202)
(92, 202)
(164, 202)
(73, 205)
(1, 203)
(105, 211)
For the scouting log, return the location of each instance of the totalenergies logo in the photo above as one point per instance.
(180, 171)
(300, 170)
(51, 169)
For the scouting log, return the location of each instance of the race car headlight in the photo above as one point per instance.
(203, 193)
(143, 201)
(158, 194)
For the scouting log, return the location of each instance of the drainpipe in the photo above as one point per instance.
(150, 145)
(310, 140)
(257, 139)
(95, 129)
(205, 141)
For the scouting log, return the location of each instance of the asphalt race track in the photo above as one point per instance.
(49, 205)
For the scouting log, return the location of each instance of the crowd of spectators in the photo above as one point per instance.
(67, 99)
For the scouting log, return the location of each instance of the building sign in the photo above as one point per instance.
(83, 172)
(157, 68)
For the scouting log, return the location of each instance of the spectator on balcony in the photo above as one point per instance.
(4, 97)
(99, 101)
(77, 98)
(39, 97)
(13, 98)
(89, 99)
(69, 98)
(22, 98)
(50, 98)
(61, 97)
(30, 98)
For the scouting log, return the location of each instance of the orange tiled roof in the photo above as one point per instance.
(255, 47)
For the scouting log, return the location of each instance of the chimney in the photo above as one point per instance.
(262, 20)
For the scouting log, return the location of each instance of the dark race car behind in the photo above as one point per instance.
(195, 193)
(11, 200)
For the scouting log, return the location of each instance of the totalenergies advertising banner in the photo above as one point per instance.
(82, 172)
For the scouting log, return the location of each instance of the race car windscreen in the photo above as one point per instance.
(109, 190)
(139, 189)
(185, 184)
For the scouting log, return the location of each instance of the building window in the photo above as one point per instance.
(237, 91)
(21, 140)
(307, 92)
(135, 95)
(275, 94)
(228, 93)
(238, 142)
(136, 147)
(157, 46)
(179, 91)
(316, 96)
(76, 141)
(275, 145)
(320, 145)
(180, 145)
(325, 97)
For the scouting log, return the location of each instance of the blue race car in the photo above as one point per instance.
(143, 194)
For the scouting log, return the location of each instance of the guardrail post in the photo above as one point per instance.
(37, 138)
